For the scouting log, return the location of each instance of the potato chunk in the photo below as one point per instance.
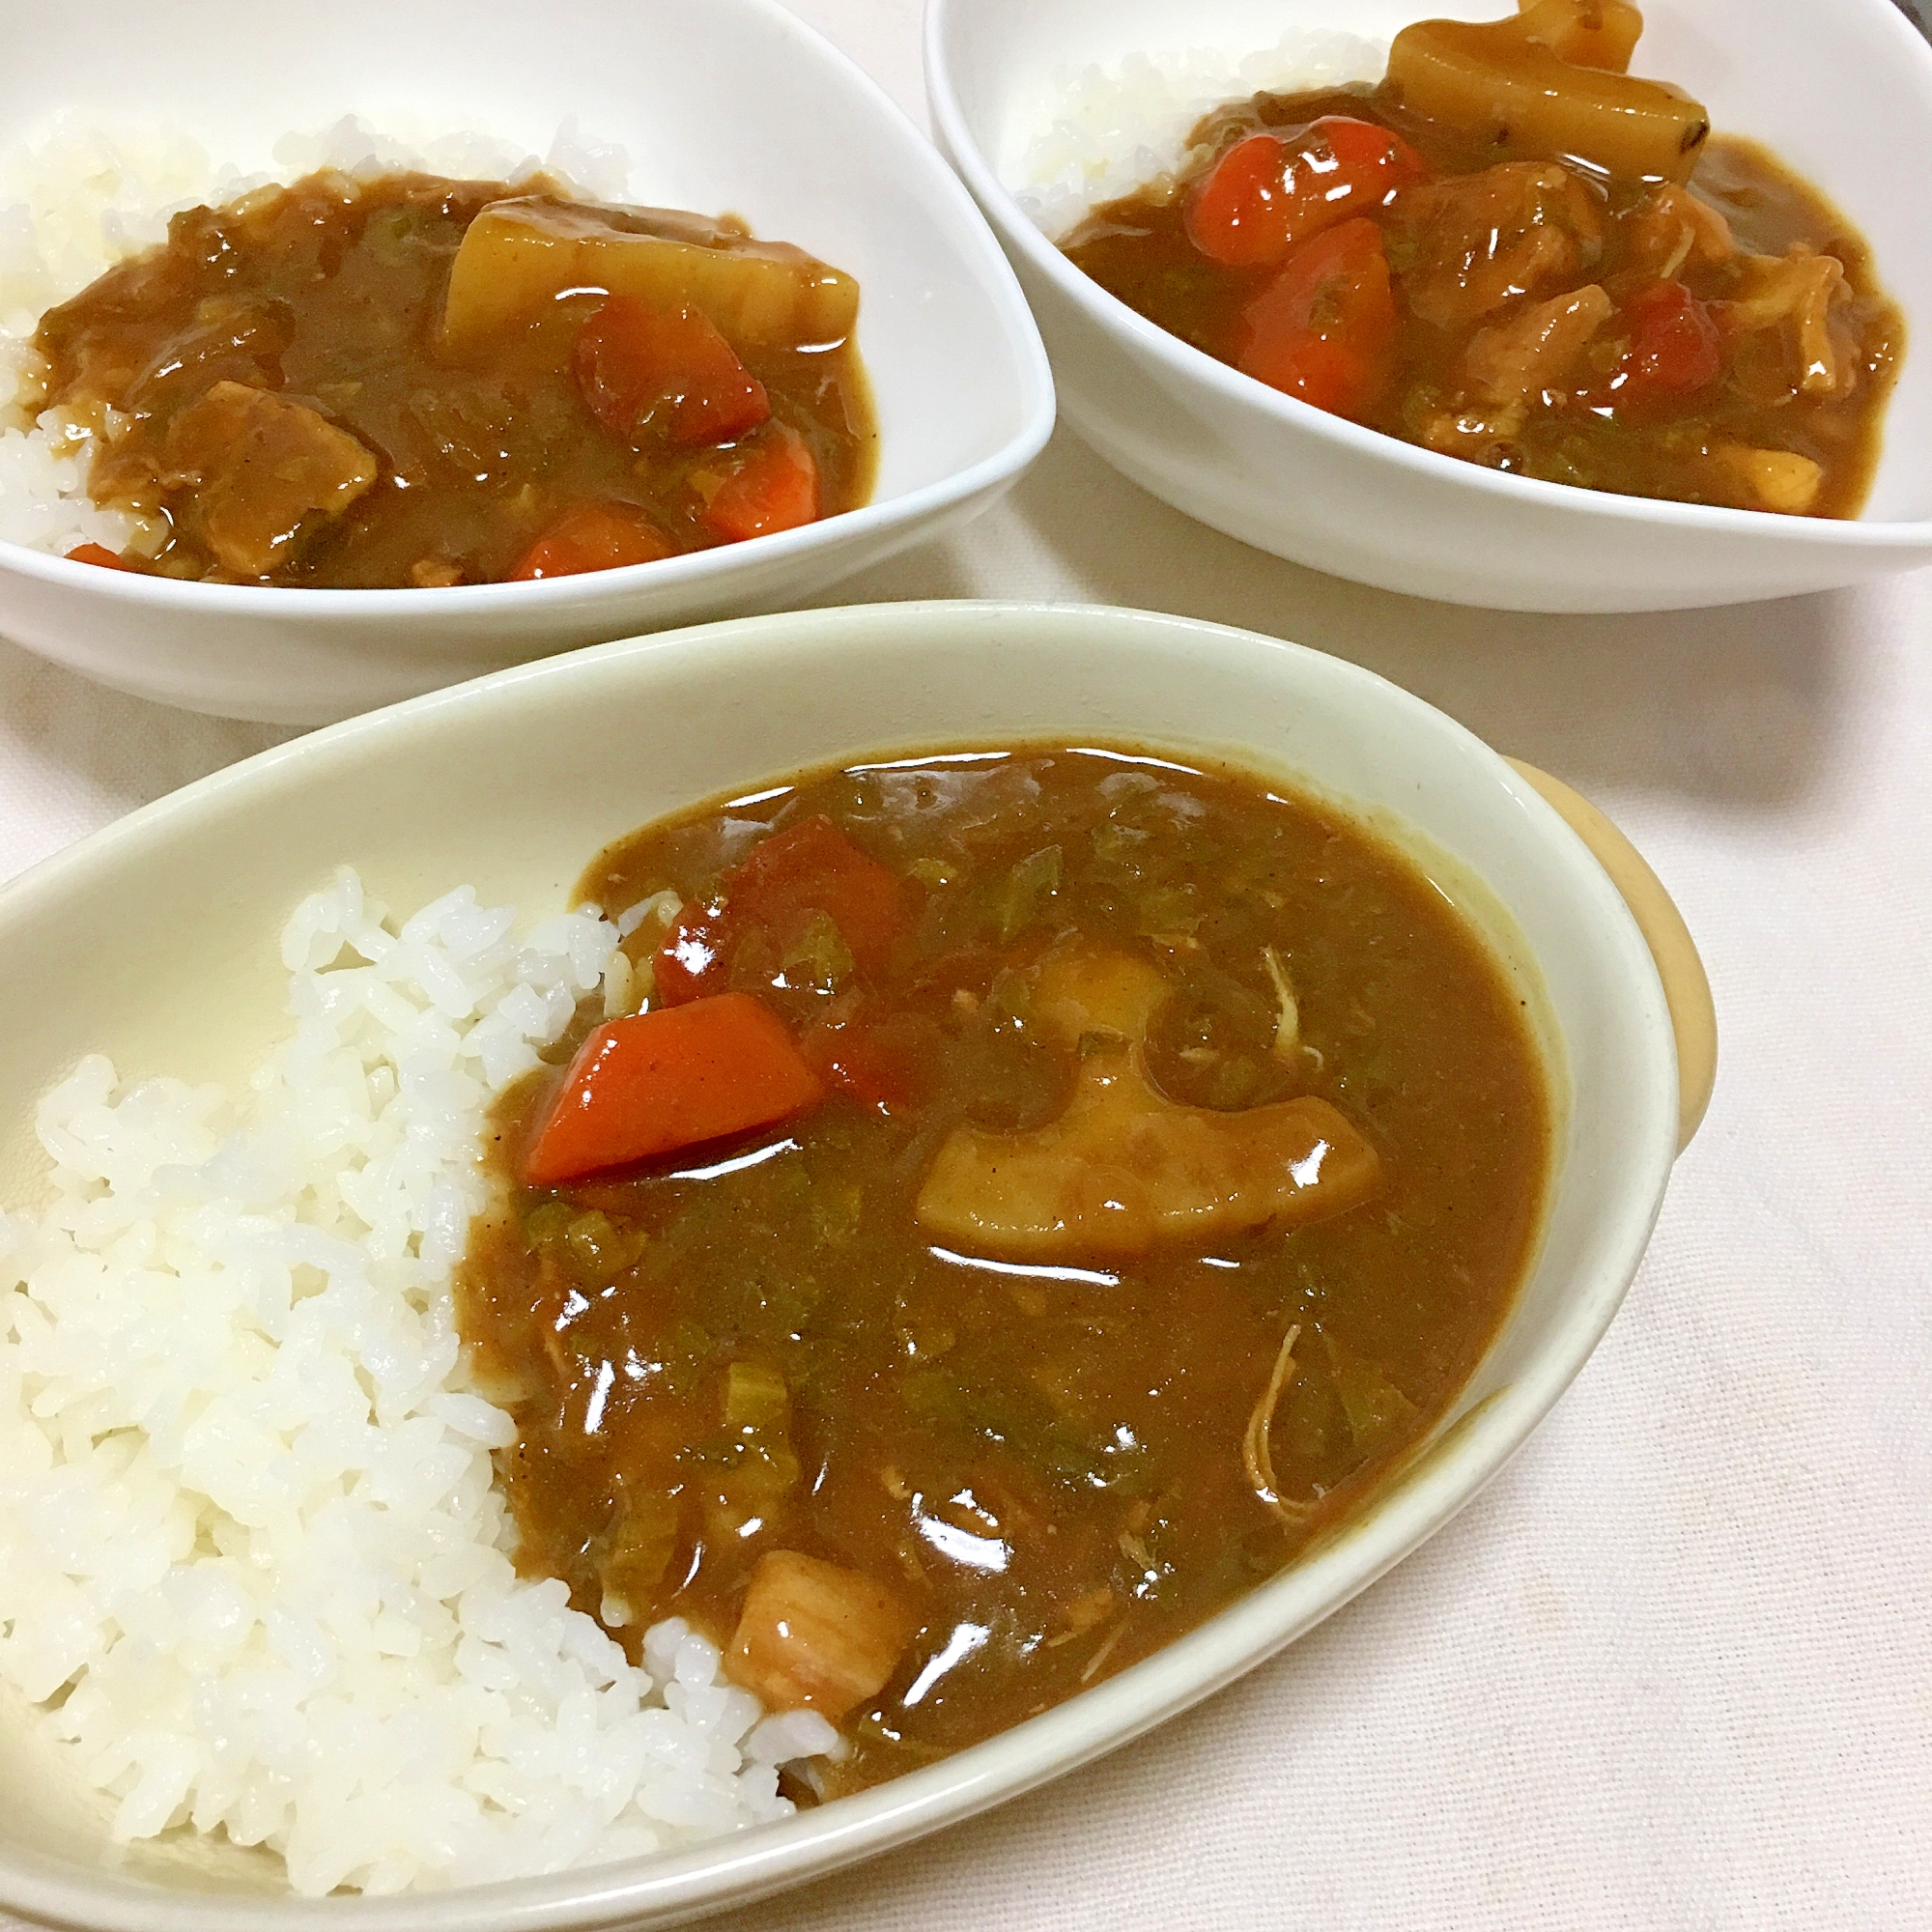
(1775, 479)
(1494, 82)
(262, 473)
(1124, 1167)
(814, 1635)
(1586, 33)
(518, 256)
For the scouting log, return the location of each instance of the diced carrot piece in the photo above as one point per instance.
(1271, 192)
(815, 1637)
(1372, 160)
(1238, 215)
(1676, 346)
(808, 868)
(881, 1062)
(100, 554)
(1325, 327)
(775, 488)
(593, 536)
(658, 1081)
(665, 371)
(813, 866)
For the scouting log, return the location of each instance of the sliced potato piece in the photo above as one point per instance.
(1124, 1167)
(1586, 33)
(520, 256)
(1778, 479)
(1496, 82)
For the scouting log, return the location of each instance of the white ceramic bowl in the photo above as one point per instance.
(1814, 85)
(515, 782)
(729, 106)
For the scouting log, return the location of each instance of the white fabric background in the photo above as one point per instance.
(1674, 1668)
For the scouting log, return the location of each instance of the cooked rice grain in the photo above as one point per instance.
(1107, 131)
(248, 1522)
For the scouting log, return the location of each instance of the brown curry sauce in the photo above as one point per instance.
(1786, 415)
(328, 296)
(1048, 1468)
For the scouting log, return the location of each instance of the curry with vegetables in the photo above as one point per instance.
(415, 380)
(1514, 251)
(1002, 1205)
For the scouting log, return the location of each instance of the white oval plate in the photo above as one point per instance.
(155, 943)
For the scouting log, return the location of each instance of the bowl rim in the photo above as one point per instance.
(1035, 409)
(954, 136)
(664, 1888)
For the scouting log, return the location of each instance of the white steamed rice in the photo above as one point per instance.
(80, 199)
(251, 1557)
(1116, 128)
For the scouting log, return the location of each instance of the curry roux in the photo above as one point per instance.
(1051, 1468)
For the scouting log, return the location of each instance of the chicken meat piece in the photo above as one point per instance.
(1476, 434)
(815, 1637)
(1478, 243)
(1510, 369)
(1797, 293)
(1124, 1167)
(1513, 361)
(1674, 231)
(263, 474)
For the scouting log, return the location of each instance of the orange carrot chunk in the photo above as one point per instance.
(1323, 329)
(100, 554)
(593, 536)
(884, 1063)
(650, 372)
(808, 868)
(775, 488)
(1269, 194)
(1238, 213)
(1676, 346)
(658, 1081)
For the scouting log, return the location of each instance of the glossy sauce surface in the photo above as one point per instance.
(330, 294)
(1050, 1466)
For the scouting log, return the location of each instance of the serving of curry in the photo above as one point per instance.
(1002, 1206)
(418, 381)
(1514, 251)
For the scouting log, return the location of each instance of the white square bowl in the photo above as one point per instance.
(731, 104)
(1841, 94)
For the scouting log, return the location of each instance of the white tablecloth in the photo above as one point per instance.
(1674, 1668)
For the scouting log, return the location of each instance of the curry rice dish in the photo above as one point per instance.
(1513, 252)
(416, 381)
(960, 1223)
